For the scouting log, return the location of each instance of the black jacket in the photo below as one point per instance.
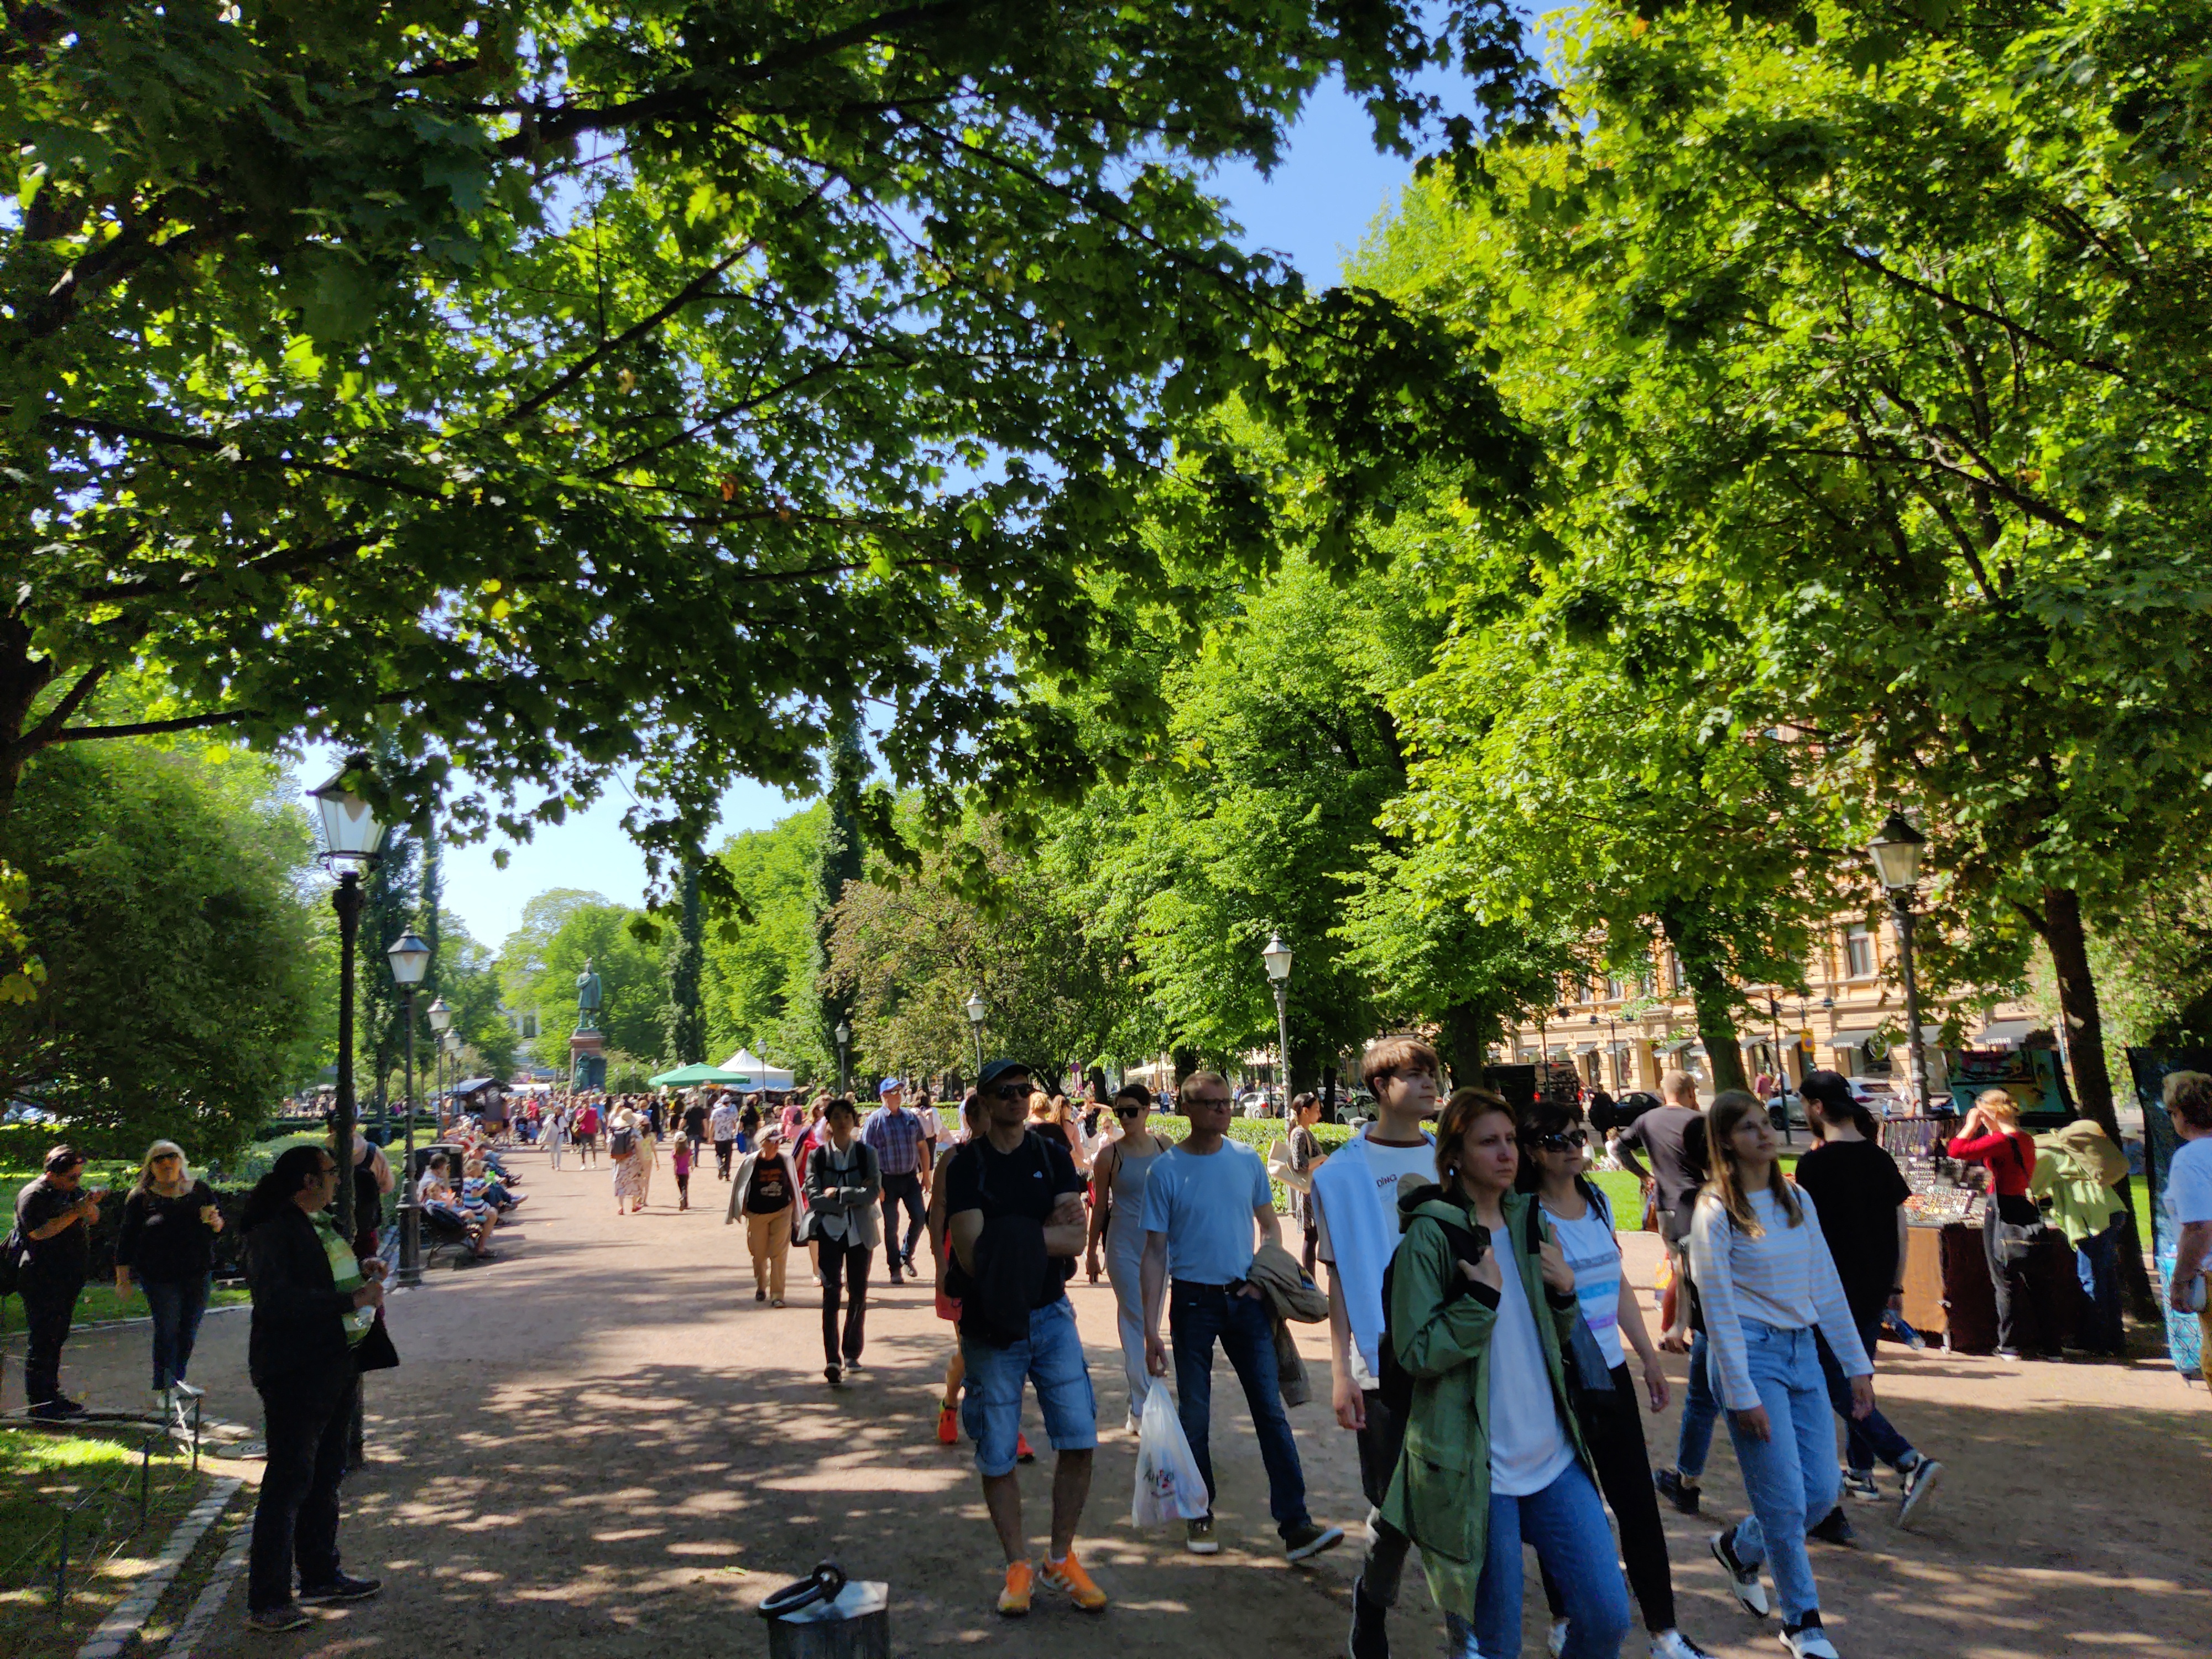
(299, 1312)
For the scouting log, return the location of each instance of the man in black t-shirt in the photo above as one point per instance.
(54, 1221)
(1014, 1215)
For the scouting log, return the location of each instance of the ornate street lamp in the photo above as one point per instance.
(1277, 959)
(1896, 853)
(844, 1035)
(410, 960)
(975, 1012)
(351, 836)
(441, 1021)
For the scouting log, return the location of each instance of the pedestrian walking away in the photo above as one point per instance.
(679, 1163)
(1014, 1216)
(1860, 1195)
(1769, 1282)
(1555, 1155)
(1118, 1175)
(1204, 1203)
(765, 1192)
(314, 1304)
(53, 1226)
(2078, 1170)
(1355, 1201)
(695, 1127)
(894, 1133)
(631, 1149)
(166, 1243)
(842, 1188)
(1478, 1323)
(557, 1135)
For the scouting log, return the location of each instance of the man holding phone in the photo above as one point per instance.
(53, 1220)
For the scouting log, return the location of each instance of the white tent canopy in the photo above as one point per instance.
(757, 1072)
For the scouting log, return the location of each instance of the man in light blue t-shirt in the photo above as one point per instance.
(1202, 1202)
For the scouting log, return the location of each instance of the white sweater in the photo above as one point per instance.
(1784, 1277)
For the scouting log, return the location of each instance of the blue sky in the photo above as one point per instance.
(1315, 210)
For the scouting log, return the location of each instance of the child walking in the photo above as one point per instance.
(681, 1158)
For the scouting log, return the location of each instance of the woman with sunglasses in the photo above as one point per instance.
(1117, 1215)
(168, 1243)
(1554, 1156)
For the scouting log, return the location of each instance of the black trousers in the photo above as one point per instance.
(48, 1308)
(2024, 1325)
(1623, 1475)
(902, 1189)
(849, 1262)
(310, 1420)
(722, 1158)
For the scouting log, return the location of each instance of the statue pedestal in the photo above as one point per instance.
(587, 1060)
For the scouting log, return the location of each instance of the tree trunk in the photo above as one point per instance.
(2067, 940)
(1467, 1030)
(1709, 997)
(22, 678)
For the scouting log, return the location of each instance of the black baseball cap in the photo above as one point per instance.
(995, 1069)
(1829, 1088)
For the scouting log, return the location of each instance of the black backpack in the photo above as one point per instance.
(1393, 1382)
(12, 1250)
(622, 1143)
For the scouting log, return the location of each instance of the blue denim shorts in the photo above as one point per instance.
(1052, 1359)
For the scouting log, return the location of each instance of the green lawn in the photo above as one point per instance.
(96, 1304)
(109, 1546)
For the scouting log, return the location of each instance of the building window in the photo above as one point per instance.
(1673, 971)
(1616, 989)
(1858, 952)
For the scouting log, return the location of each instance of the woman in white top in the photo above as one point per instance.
(1767, 1280)
(1554, 1154)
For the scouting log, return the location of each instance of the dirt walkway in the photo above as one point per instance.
(600, 1445)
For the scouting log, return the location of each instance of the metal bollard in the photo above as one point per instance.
(826, 1616)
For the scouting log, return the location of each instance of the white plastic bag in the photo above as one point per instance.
(1168, 1486)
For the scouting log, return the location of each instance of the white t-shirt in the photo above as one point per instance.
(1528, 1450)
(1591, 1250)
(2188, 1181)
(1387, 1164)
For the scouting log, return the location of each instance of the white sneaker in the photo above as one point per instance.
(1673, 1645)
(1556, 1642)
(1743, 1582)
(1810, 1642)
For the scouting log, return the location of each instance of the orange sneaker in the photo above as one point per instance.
(1069, 1576)
(1022, 1452)
(948, 1426)
(1014, 1600)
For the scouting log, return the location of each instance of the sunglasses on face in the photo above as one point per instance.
(1574, 1137)
(1128, 1111)
(1013, 1091)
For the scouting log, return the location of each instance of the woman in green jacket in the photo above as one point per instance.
(1493, 1456)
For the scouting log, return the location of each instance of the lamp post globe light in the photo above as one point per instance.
(976, 1010)
(1276, 957)
(844, 1035)
(441, 1021)
(410, 960)
(1896, 853)
(351, 836)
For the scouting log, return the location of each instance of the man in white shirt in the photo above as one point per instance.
(1355, 1196)
(722, 1130)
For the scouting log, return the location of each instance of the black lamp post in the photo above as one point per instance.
(1781, 1066)
(1277, 959)
(975, 1013)
(844, 1035)
(351, 836)
(1896, 853)
(410, 960)
(441, 1021)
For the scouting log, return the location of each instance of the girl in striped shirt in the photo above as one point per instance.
(1554, 1155)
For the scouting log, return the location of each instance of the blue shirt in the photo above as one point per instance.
(1205, 1205)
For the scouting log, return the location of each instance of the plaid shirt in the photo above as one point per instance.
(896, 1134)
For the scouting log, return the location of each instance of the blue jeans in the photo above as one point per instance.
(1566, 1523)
(1052, 1361)
(2097, 1265)
(1197, 1316)
(176, 1305)
(1701, 1410)
(1791, 1477)
(1875, 1438)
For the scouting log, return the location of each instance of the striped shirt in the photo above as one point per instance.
(1592, 1251)
(1784, 1277)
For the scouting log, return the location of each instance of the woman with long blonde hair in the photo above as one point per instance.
(1767, 1282)
(167, 1241)
(1992, 1137)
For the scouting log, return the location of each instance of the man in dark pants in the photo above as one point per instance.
(54, 1220)
(903, 1154)
(313, 1302)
